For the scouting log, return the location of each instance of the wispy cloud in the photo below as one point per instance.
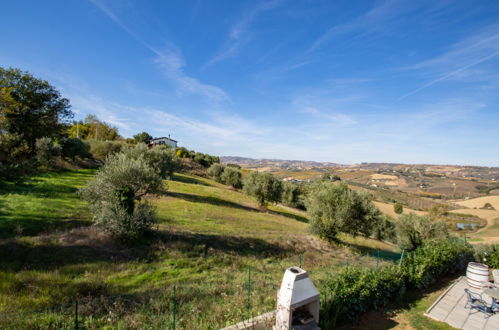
(371, 21)
(172, 64)
(240, 32)
(462, 56)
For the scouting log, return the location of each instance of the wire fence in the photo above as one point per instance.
(172, 306)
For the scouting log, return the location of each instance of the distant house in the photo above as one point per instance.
(166, 141)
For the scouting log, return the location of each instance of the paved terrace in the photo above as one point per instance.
(449, 308)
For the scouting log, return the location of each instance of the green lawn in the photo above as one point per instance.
(210, 241)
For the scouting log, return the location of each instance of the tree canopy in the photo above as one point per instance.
(263, 186)
(30, 108)
(93, 128)
(336, 208)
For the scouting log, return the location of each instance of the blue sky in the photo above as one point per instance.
(339, 81)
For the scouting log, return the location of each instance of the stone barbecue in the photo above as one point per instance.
(297, 302)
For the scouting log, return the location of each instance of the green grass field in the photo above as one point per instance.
(209, 243)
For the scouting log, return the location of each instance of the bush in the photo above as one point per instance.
(385, 229)
(163, 159)
(232, 177)
(103, 149)
(346, 295)
(488, 254)
(215, 171)
(46, 151)
(398, 208)
(74, 147)
(335, 208)
(115, 194)
(263, 186)
(430, 261)
(292, 195)
(414, 230)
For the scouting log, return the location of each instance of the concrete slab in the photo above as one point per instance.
(449, 308)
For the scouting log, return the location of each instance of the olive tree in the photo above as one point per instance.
(115, 195)
(263, 186)
(335, 208)
(215, 171)
(232, 177)
(46, 151)
(160, 158)
(414, 230)
(291, 194)
(398, 208)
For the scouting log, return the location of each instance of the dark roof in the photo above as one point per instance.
(164, 137)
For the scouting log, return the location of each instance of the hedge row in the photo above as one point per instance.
(353, 291)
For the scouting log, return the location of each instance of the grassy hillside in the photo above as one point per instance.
(209, 241)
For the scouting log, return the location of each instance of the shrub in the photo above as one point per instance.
(114, 196)
(103, 149)
(142, 137)
(263, 186)
(414, 230)
(335, 208)
(232, 177)
(487, 206)
(215, 171)
(385, 229)
(161, 158)
(488, 254)
(46, 151)
(291, 195)
(426, 264)
(344, 296)
(398, 208)
(74, 147)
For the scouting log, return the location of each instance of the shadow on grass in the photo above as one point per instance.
(289, 215)
(189, 180)
(92, 245)
(243, 246)
(35, 225)
(373, 252)
(210, 200)
(384, 317)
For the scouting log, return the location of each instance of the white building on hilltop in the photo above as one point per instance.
(165, 141)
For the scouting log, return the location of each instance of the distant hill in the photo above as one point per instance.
(276, 163)
(460, 171)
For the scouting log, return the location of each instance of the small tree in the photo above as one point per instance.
(264, 187)
(335, 208)
(160, 158)
(291, 194)
(215, 171)
(398, 208)
(115, 196)
(414, 230)
(142, 137)
(231, 177)
(73, 147)
(46, 151)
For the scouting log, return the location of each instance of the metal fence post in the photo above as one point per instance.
(76, 314)
(300, 260)
(174, 306)
(401, 257)
(249, 291)
(377, 258)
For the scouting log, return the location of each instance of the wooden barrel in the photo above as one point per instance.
(476, 274)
